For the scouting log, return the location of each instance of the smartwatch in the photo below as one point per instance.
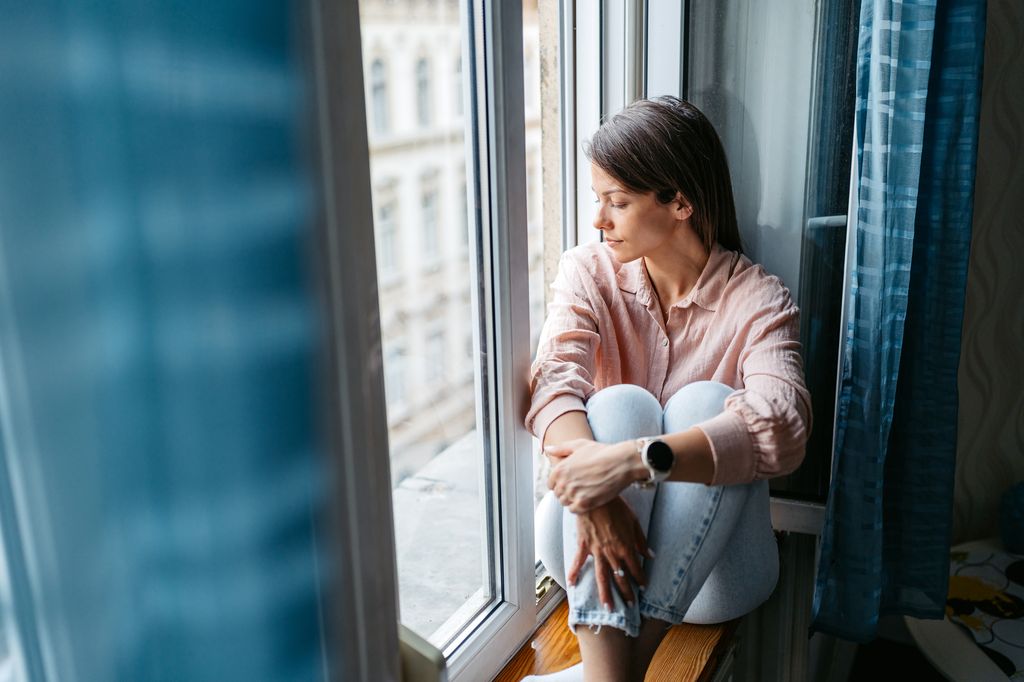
(658, 457)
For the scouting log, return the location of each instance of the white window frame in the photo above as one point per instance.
(497, 170)
(364, 618)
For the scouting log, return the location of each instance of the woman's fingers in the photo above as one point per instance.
(641, 541)
(619, 575)
(574, 571)
(561, 450)
(632, 566)
(602, 574)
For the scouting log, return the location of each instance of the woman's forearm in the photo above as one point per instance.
(567, 427)
(694, 460)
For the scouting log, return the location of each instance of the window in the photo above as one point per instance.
(395, 378)
(387, 240)
(792, 181)
(434, 372)
(423, 92)
(699, 50)
(379, 96)
(455, 335)
(463, 222)
(428, 226)
(458, 86)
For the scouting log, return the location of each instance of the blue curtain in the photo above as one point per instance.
(886, 540)
(885, 545)
(161, 480)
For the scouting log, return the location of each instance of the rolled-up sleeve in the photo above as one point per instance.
(562, 374)
(762, 433)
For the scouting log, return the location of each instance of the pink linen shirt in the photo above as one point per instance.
(738, 326)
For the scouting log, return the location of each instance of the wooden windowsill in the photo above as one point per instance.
(689, 653)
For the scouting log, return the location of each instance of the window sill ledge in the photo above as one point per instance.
(690, 653)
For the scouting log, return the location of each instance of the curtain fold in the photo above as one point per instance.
(884, 547)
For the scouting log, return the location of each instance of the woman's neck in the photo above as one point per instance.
(675, 269)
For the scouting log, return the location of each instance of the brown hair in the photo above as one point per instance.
(666, 145)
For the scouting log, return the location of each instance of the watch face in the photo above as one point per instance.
(659, 456)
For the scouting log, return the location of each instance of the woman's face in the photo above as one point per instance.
(634, 225)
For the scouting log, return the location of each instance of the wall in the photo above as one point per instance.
(991, 422)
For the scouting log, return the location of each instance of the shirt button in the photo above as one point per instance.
(664, 342)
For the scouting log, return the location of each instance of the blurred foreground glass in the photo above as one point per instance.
(161, 481)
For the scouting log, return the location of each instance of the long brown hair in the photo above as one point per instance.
(666, 145)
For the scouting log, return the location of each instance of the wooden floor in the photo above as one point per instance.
(690, 653)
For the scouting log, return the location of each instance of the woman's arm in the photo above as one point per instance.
(760, 434)
(568, 426)
(609, 532)
(597, 472)
(763, 430)
(691, 447)
(563, 373)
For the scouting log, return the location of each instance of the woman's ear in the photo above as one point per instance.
(683, 208)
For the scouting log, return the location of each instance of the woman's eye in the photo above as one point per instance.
(618, 206)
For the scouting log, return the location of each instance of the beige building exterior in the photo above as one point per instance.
(416, 116)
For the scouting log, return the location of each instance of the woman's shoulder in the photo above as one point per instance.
(592, 263)
(752, 287)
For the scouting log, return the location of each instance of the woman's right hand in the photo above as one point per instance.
(612, 534)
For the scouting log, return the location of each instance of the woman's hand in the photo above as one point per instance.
(586, 474)
(612, 534)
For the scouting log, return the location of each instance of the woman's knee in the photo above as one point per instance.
(623, 411)
(695, 403)
(548, 537)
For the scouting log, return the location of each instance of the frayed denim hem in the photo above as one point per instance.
(600, 619)
(648, 610)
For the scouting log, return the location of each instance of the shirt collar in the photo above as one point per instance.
(633, 278)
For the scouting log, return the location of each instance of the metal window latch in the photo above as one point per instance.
(545, 584)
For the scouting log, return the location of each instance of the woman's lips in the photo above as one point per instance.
(613, 242)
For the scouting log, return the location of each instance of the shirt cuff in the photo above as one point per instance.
(731, 448)
(553, 410)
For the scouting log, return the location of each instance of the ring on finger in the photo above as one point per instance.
(619, 572)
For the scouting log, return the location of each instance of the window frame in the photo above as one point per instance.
(496, 164)
(492, 60)
(362, 622)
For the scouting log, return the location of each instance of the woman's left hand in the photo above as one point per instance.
(587, 474)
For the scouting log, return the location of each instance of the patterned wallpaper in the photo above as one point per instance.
(991, 424)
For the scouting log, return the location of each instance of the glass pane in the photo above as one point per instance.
(787, 131)
(534, 198)
(416, 88)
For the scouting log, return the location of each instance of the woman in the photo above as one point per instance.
(667, 388)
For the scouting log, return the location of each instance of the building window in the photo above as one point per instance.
(387, 239)
(379, 95)
(394, 378)
(464, 216)
(431, 247)
(434, 372)
(458, 86)
(423, 92)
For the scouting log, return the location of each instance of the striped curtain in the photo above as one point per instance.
(885, 544)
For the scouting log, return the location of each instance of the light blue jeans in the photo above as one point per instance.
(716, 557)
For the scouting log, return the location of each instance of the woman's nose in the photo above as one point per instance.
(600, 220)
